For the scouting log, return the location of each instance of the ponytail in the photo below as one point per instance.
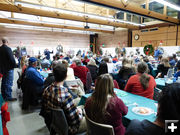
(144, 80)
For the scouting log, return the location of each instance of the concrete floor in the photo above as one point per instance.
(24, 122)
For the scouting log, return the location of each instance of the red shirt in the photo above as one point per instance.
(81, 73)
(134, 86)
(117, 109)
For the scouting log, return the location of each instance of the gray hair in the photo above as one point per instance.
(4, 40)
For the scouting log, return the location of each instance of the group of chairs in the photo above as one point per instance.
(59, 125)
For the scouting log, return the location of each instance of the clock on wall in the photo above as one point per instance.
(136, 37)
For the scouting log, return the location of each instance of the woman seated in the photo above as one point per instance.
(104, 106)
(141, 84)
(124, 73)
(103, 69)
(168, 109)
(163, 68)
(92, 68)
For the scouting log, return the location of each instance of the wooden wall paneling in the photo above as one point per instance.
(113, 40)
(44, 38)
(171, 42)
(136, 44)
(166, 34)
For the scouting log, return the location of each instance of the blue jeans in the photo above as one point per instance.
(7, 83)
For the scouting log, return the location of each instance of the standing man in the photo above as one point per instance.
(157, 53)
(47, 53)
(7, 65)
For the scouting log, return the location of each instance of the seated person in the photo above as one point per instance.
(34, 76)
(57, 96)
(168, 109)
(163, 68)
(50, 79)
(80, 71)
(104, 106)
(172, 62)
(103, 68)
(124, 74)
(177, 74)
(85, 60)
(45, 63)
(150, 67)
(92, 68)
(141, 84)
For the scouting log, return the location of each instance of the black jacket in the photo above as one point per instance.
(7, 61)
(93, 70)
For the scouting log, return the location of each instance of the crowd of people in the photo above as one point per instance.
(71, 77)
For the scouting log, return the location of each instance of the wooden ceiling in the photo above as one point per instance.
(76, 6)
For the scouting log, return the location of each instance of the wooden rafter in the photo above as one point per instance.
(115, 4)
(45, 13)
(21, 22)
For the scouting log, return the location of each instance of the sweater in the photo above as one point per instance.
(116, 109)
(134, 86)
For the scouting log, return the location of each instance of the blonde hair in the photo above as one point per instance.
(92, 62)
(165, 62)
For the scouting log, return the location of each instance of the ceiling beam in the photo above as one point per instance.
(43, 24)
(158, 25)
(119, 5)
(45, 13)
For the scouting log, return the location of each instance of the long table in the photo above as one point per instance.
(160, 82)
(129, 99)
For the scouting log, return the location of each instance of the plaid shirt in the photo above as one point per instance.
(58, 97)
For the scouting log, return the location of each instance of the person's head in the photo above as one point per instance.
(32, 62)
(170, 58)
(60, 72)
(78, 62)
(65, 63)
(104, 88)
(106, 59)
(169, 103)
(4, 40)
(165, 62)
(160, 57)
(174, 56)
(142, 68)
(125, 61)
(92, 62)
(103, 68)
(53, 64)
(85, 57)
(145, 59)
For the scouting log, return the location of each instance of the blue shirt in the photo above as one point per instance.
(157, 53)
(177, 74)
(34, 75)
(47, 53)
(172, 62)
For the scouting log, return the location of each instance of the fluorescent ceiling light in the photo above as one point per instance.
(17, 26)
(76, 13)
(168, 4)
